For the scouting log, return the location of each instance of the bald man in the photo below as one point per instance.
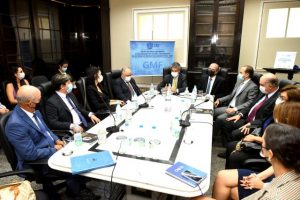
(236, 127)
(125, 87)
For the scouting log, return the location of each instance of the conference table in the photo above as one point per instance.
(149, 142)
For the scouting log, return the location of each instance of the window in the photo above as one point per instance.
(165, 24)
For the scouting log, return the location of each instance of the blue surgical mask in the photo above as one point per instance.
(70, 88)
(240, 77)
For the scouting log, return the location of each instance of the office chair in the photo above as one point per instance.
(223, 72)
(256, 78)
(40, 194)
(110, 78)
(4, 98)
(167, 70)
(285, 82)
(8, 149)
(37, 80)
(81, 85)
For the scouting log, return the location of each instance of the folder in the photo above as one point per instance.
(88, 162)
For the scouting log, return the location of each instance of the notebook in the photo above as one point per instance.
(186, 174)
(88, 162)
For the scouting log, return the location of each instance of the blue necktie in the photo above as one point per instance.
(41, 125)
(208, 86)
(82, 119)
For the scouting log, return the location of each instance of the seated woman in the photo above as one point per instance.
(240, 183)
(281, 148)
(16, 80)
(97, 96)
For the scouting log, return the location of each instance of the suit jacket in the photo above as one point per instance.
(244, 98)
(122, 91)
(58, 115)
(168, 79)
(264, 112)
(28, 141)
(96, 99)
(217, 88)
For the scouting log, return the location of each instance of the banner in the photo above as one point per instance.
(148, 58)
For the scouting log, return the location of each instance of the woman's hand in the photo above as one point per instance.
(252, 182)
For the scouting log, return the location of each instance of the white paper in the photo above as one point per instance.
(285, 59)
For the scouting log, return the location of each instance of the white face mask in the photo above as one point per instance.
(279, 101)
(174, 74)
(262, 89)
(21, 75)
(127, 78)
(64, 69)
(100, 79)
(240, 77)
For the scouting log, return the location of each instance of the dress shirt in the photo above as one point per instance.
(211, 83)
(285, 186)
(239, 89)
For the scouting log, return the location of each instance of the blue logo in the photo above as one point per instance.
(149, 45)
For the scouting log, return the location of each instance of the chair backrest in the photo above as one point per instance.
(46, 91)
(223, 72)
(5, 100)
(167, 70)
(81, 85)
(37, 80)
(256, 78)
(285, 82)
(110, 78)
(5, 144)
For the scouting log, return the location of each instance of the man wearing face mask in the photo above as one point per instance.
(243, 94)
(63, 111)
(125, 87)
(212, 83)
(253, 116)
(176, 79)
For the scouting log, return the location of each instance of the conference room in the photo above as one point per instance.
(142, 82)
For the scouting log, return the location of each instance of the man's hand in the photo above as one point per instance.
(230, 110)
(244, 129)
(3, 111)
(95, 119)
(217, 103)
(234, 118)
(58, 147)
(59, 142)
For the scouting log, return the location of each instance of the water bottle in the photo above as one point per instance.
(119, 112)
(135, 103)
(194, 94)
(186, 92)
(151, 89)
(175, 128)
(169, 92)
(77, 139)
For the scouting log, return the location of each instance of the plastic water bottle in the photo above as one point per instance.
(151, 89)
(194, 94)
(135, 103)
(119, 112)
(186, 92)
(175, 128)
(77, 139)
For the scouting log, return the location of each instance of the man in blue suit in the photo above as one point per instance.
(33, 140)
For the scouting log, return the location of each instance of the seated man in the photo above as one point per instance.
(243, 94)
(212, 83)
(63, 112)
(32, 139)
(237, 126)
(125, 87)
(176, 79)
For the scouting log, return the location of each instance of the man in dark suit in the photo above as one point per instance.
(212, 83)
(243, 94)
(63, 112)
(33, 140)
(176, 79)
(239, 125)
(125, 87)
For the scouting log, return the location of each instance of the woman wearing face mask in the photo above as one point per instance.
(63, 65)
(97, 95)
(17, 79)
(240, 183)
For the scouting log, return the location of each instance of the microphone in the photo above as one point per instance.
(186, 123)
(144, 105)
(114, 128)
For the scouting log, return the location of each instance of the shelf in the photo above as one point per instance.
(203, 23)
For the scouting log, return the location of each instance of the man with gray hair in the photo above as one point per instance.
(125, 86)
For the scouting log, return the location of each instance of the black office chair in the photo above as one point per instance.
(8, 149)
(285, 82)
(167, 70)
(38, 80)
(110, 78)
(4, 98)
(256, 78)
(40, 194)
(223, 72)
(81, 85)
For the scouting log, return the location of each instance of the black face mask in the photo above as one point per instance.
(211, 73)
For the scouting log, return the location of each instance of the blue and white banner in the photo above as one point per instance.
(148, 58)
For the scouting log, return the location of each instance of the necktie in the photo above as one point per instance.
(41, 125)
(208, 86)
(84, 122)
(174, 84)
(252, 114)
(131, 89)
